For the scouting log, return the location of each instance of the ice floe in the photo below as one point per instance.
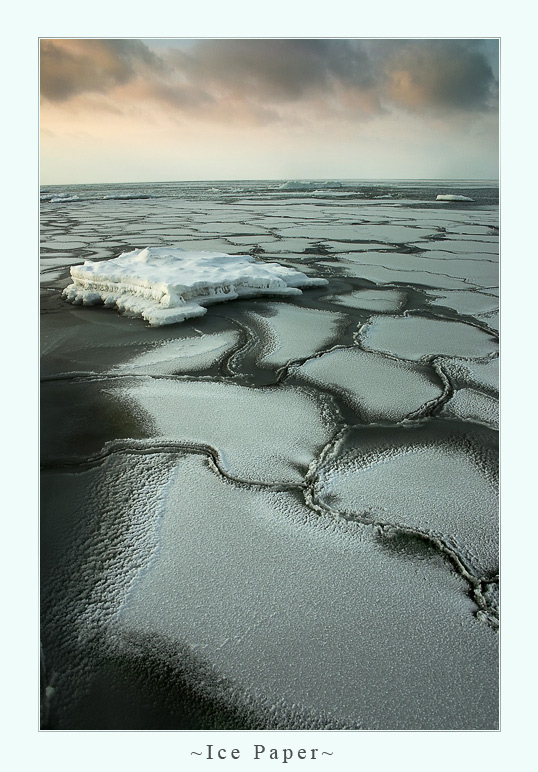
(380, 300)
(470, 405)
(482, 375)
(468, 303)
(417, 337)
(452, 197)
(181, 356)
(289, 332)
(379, 388)
(268, 435)
(443, 487)
(165, 284)
(296, 613)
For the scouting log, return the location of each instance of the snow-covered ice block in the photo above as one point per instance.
(452, 197)
(166, 284)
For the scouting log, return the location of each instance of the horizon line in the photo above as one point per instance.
(281, 179)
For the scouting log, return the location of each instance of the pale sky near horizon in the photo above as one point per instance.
(134, 110)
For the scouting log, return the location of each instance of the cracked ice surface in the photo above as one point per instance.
(304, 546)
(249, 428)
(378, 388)
(320, 618)
(442, 489)
(415, 337)
(471, 405)
(291, 333)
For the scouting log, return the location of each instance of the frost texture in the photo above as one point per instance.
(415, 337)
(378, 387)
(322, 618)
(248, 428)
(183, 355)
(291, 333)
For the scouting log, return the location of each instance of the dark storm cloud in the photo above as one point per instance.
(279, 69)
(261, 74)
(71, 67)
(444, 74)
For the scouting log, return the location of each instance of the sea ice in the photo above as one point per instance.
(471, 405)
(452, 197)
(416, 337)
(379, 388)
(165, 284)
(445, 489)
(482, 375)
(305, 615)
(289, 332)
(269, 435)
(181, 356)
(349, 265)
(469, 303)
(380, 300)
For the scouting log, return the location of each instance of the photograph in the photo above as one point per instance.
(268, 388)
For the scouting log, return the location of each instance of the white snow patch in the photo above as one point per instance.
(165, 285)
(452, 197)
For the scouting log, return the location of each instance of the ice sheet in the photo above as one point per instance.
(415, 337)
(165, 284)
(309, 618)
(268, 435)
(289, 332)
(378, 388)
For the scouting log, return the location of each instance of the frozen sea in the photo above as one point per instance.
(283, 513)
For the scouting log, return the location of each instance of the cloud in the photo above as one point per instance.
(436, 74)
(267, 80)
(72, 67)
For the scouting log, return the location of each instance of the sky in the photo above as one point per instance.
(135, 110)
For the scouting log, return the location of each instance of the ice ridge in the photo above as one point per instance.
(165, 285)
